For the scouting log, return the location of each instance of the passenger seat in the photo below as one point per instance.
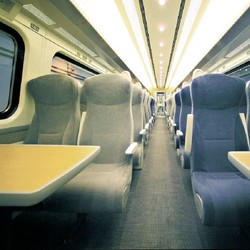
(104, 185)
(221, 192)
(57, 110)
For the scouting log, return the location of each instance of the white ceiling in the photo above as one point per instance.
(121, 23)
(160, 41)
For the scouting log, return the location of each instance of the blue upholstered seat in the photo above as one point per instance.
(221, 192)
(186, 108)
(176, 117)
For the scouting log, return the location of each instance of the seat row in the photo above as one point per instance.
(115, 116)
(212, 122)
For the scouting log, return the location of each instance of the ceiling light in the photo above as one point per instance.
(210, 30)
(161, 54)
(72, 39)
(37, 13)
(123, 42)
(162, 2)
(161, 44)
(161, 28)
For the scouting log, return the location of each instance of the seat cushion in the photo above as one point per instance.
(225, 197)
(98, 188)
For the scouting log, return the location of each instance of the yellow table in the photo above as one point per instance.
(241, 160)
(30, 173)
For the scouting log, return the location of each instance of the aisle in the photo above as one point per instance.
(160, 213)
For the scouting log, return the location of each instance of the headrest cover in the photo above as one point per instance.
(197, 73)
(207, 92)
(137, 94)
(126, 74)
(54, 89)
(138, 84)
(184, 84)
(108, 89)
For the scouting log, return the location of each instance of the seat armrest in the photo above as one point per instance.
(143, 132)
(244, 123)
(179, 132)
(172, 123)
(147, 126)
(143, 135)
(131, 148)
(18, 142)
(189, 135)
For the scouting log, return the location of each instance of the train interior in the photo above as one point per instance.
(163, 88)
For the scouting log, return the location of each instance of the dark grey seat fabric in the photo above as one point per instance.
(57, 110)
(146, 115)
(168, 111)
(139, 131)
(222, 193)
(83, 101)
(104, 185)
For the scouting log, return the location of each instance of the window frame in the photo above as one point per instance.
(74, 62)
(16, 79)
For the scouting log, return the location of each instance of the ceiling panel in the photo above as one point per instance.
(161, 25)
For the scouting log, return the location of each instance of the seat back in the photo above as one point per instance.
(248, 108)
(108, 122)
(172, 107)
(146, 106)
(83, 108)
(169, 105)
(143, 107)
(217, 127)
(137, 108)
(83, 101)
(152, 106)
(177, 110)
(57, 110)
(186, 108)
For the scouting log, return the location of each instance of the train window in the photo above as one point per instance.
(11, 63)
(64, 65)
(243, 71)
